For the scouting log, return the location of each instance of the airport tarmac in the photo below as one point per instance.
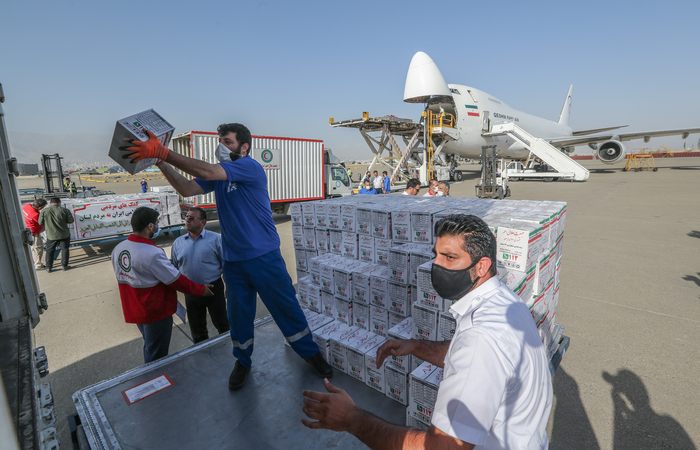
(630, 302)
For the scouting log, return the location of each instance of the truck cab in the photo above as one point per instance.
(337, 181)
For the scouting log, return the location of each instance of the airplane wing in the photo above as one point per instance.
(597, 130)
(570, 141)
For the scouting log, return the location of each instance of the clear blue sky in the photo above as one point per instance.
(71, 69)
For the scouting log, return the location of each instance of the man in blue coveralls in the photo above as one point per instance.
(253, 263)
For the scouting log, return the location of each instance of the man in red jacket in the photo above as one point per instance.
(31, 219)
(148, 284)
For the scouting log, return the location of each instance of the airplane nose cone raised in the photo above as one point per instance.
(423, 80)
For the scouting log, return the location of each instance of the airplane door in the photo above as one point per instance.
(486, 122)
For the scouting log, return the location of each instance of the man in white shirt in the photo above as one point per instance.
(497, 389)
(377, 182)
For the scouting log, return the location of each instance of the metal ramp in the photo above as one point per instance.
(541, 148)
(380, 135)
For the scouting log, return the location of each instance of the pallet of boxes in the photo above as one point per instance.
(363, 265)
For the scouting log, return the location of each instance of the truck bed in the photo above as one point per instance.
(198, 411)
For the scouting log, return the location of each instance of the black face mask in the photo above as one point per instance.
(452, 284)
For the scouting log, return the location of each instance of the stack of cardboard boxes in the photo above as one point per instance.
(364, 264)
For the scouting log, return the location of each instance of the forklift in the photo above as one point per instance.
(494, 179)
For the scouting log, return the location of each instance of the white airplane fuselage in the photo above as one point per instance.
(470, 108)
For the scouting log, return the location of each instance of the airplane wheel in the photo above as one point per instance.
(548, 179)
(499, 193)
(656, 169)
(458, 175)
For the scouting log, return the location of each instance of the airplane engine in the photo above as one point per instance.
(611, 151)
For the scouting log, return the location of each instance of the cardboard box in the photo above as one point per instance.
(399, 298)
(349, 245)
(328, 304)
(134, 127)
(307, 215)
(357, 350)
(366, 249)
(309, 235)
(518, 247)
(415, 362)
(360, 315)
(322, 337)
(343, 277)
(335, 240)
(395, 319)
(298, 236)
(295, 212)
(426, 294)
(364, 220)
(446, 326)
(314, 297)
(348, 220)
(379, 288)
(322, 240)
(425, 323)
(374, 377)
(361, 284)
(343, 310)
(300, 258)
(404, 330)
(320, 214)
(319, 321)
(378, 320)
(381, 223)
(401, 225)
(521, 283)
(412, 421)
(303, 291)
(396, 384)
(423, 224)
(420, 254)
(381, 251)
(339, 347)
(333, 215)
(315, 264)
(422, 392)
(308, 314)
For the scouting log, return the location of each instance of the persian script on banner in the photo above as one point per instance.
(108, 218)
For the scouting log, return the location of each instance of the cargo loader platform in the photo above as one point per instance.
(183, 401)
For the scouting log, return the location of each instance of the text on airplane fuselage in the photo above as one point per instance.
(503, 116)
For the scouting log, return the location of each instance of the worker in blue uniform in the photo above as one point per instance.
(253, 263)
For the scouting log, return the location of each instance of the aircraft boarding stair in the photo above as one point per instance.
(551, 155)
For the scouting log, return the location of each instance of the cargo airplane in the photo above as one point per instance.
(473, 109)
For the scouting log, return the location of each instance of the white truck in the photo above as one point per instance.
(296, 169)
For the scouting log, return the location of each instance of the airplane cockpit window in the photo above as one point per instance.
(339, 174)
(455, 91)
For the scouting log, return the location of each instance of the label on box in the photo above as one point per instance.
(360, 315)
(378, 320)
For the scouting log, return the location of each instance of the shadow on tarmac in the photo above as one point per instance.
(636, 424)
(695, 234)
(571, 428)
(693, 278)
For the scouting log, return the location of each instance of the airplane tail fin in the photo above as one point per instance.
(566, 109)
